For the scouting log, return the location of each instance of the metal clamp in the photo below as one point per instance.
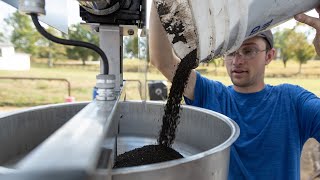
(105, 87)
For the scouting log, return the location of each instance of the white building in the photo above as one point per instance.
(9, 60)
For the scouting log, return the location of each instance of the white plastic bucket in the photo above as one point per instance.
(216, 27)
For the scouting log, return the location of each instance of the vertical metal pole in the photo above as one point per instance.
(111, 44)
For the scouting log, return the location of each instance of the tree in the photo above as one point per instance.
(132, 46)
(303, 51)
(293, 45)
(77, 32)
(126, 40)
(24, 36)
(143, 48)
(51, 50)
(284, 42)
(2, 38)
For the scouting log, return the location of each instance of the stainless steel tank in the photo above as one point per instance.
(203, 137)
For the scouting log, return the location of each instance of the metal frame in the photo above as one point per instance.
(46, 79)
(111, 44)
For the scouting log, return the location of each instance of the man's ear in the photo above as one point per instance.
(270, 55)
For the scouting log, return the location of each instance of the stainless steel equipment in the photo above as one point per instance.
(81, 140)
(204, 138)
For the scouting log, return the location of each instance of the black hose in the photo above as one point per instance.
(93, 47)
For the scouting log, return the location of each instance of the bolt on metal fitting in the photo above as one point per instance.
(105, 87)
(32, 6)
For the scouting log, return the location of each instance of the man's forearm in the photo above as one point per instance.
(161, 54)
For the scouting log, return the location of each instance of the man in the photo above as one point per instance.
(275, 121)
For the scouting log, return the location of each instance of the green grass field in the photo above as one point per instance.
(26, 93)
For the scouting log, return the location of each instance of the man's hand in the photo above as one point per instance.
(313, 22)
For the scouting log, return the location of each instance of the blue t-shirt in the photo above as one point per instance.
(274, 125)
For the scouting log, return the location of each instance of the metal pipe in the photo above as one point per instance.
(77, 144)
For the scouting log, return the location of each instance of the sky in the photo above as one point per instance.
(73, 15)
(292, 22)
